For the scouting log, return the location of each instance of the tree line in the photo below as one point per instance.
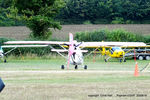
(42, 15)
(105, 11)
(92, 12)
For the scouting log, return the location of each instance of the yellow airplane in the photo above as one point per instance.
(113, 52)
(113, 49)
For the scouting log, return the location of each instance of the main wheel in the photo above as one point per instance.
(120, 60)
(62, 67)
(140, 57)
(76, 67)
(147, 57)
(105, 60)
(5, 61)
(85, 67)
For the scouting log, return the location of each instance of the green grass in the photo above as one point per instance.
(71, 84)
(78, 79)
(54, 64)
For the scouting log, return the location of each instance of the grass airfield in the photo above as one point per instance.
(42, 79)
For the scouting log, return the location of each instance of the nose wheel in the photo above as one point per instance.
(76, 67)
(5, 61)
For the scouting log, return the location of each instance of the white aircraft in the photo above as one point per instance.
(75, 56)
(3, 54)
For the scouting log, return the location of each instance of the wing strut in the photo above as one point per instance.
(10, 50)
(58, 52)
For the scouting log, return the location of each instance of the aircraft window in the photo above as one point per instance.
(113, 49)
(116, 48)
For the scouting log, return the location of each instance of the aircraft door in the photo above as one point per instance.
(111, 50)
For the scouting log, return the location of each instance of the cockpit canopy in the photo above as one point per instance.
(116, 48)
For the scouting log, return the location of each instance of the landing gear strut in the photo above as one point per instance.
(124, 60)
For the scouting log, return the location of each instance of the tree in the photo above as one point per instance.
(38, 15)
(117, 11)
(4, 21)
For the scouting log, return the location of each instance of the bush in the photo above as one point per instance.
(125, 36)
(97, 35)
(39, 51)
(106, 35)
(25, 51)
(2, 40)
(118, 20)
(101, 21)
(87, 22)
(147, 39)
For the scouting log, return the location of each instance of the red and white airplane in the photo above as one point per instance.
(75, 56)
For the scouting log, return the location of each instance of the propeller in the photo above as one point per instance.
(71, 48)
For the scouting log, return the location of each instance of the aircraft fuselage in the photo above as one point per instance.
(77, 57)
(116, 52)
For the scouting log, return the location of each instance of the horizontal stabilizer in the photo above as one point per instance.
(62, 50)
(82, 50)
(59, 50)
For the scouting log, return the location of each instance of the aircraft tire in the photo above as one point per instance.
(62, 67)
(120, 60)
(124, 60)
(5, 61)
(105, 60)
(76, 67)
(85, 67)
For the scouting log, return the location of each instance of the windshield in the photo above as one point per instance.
(116, 48)
(1, 49)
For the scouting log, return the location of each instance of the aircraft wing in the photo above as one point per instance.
(82, 45)
(111, 44)
(36, 42)
(13, 47)
(16, 46)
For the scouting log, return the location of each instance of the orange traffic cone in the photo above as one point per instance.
(136, 73)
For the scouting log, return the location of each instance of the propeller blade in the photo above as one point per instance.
(71, 48)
